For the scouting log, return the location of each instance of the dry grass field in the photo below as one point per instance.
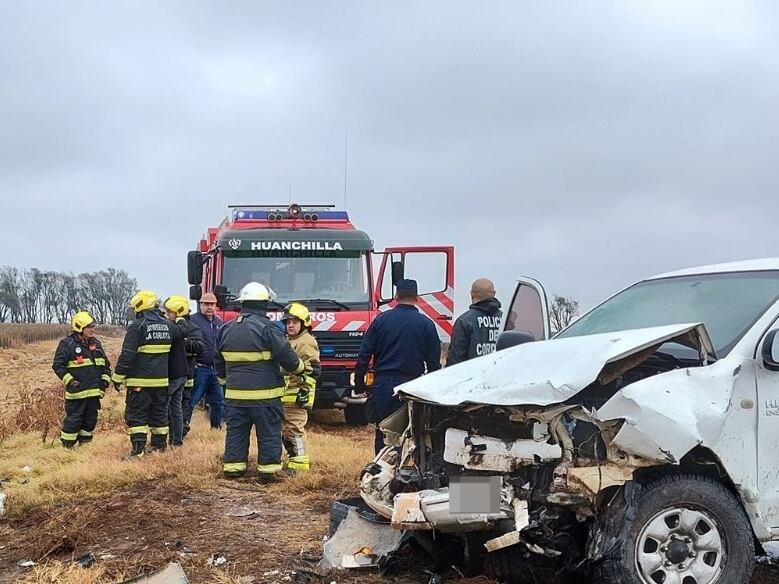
(136, 516)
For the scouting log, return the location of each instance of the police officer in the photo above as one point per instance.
(181, 365)
(476, 330)
(404, 344)
(81, 363)
(143, 368)
(249, 352)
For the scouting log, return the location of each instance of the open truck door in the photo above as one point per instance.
(527, 313)
(433, 269)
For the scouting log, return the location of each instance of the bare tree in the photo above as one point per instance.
(562, 312)
(9, 294)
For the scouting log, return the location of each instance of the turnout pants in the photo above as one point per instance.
(186, 408)
(383, 402)
(146, 410)
(175, 412)
(293, 435)
(265, 417)
(80, 420)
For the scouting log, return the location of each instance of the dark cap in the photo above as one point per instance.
(407, 286)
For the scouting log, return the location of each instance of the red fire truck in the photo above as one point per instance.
(313, 254)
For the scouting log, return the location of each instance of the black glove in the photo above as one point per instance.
(117, 386)
(74, 383)
(104, 384)
(303, 396)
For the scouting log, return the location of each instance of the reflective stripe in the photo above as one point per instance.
(268, 468)
(161, 430)
(221, 380)
(84, 433)
(137, 429)
(154, 349)
(118, 378)
(246, 356)
(189, 383)
(84, 363)
(146, 382)
(301, 462)
(234, 467)
(68, 435)
(84, 393)
(106, 377)
(300, 368)
(269, 393)
(99, 361)
(67, 378)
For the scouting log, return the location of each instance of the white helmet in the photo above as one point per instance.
(254, 291)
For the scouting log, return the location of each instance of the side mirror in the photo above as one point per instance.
(771, 350)
(194, 267)
(195, 292)
(509, 339)
(221, 296)
(397, 272)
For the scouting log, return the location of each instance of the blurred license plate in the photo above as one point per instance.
(474, 494)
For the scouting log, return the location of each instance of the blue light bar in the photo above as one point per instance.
(253, 214)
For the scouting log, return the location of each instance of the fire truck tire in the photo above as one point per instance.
(356, 415)
(515, 565)
(683, 528)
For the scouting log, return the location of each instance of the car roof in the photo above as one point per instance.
(741, 266)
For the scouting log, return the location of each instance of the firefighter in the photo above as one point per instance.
(250, 350)
(143, 368)
(476, 330)
(181, 365)
(404, 344)
(81, 363)
(300, 389)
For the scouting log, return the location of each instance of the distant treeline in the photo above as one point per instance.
(43, 296)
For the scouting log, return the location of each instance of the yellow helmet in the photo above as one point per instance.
(144, 300)
(254, 291)
(297, 310)
(177, 305)
(80, 321)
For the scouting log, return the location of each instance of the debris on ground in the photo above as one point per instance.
(85, 560)
(3, 498)
(173, 573)
(25, 563)
(359, 543)
(216, 560)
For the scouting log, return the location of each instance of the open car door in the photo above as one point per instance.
(433, 269)
(529, 310)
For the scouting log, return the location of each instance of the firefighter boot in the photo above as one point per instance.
(138, 449)
(266, 478)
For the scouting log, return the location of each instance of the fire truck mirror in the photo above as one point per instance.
(194, 267)
(195, 292)
(221, 296)
(397, 272)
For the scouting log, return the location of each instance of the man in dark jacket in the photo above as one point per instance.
(81, 363)
(143, 368)
(251, 351)
(404, 344)
(205, 382)
(177, 307)
(476, 331)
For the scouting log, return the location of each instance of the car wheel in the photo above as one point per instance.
(688, 529)
(355, 415)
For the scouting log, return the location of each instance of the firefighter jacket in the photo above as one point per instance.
(82, 361)
(143, 361)
(301, 388)
(183, 352)
(475, 332)
(249, 352)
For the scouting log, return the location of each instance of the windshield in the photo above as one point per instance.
(342, 278)
(728, 304)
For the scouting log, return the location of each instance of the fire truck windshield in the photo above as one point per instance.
(342, 278)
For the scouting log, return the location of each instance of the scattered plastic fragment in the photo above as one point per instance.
(25, 563)
(86, 560)
(217, 560)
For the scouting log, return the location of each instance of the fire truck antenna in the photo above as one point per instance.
(346, 158)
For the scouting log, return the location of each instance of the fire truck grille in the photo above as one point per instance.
(338, 345)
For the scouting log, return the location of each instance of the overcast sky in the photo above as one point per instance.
(587, 144)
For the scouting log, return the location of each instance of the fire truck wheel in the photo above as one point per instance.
(355, 415)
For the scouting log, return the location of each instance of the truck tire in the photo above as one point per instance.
(515, 565)
(687, 529)
(355, 415)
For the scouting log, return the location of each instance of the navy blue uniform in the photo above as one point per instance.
(404, 344)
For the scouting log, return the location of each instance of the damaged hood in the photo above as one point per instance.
(547, 372)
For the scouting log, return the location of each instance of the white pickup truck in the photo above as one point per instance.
(640, 445)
